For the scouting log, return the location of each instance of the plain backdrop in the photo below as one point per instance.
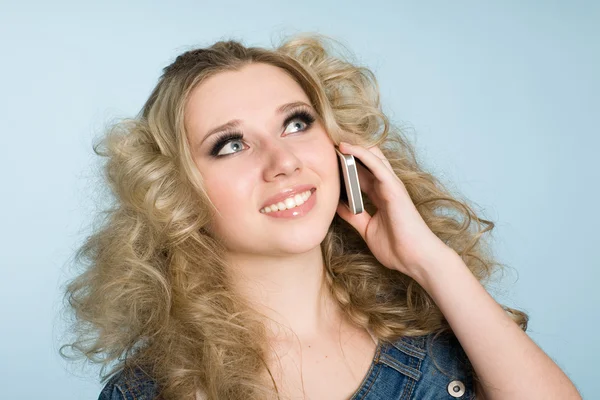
(501, 100)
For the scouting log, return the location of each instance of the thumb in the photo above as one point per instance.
(358, 221)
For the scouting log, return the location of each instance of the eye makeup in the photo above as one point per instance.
(223, 139)
(301, 114)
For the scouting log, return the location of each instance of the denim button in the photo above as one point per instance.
(456, 388)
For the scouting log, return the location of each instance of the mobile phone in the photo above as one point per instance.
(350, 193)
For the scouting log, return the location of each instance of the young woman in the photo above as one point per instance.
(229, 269)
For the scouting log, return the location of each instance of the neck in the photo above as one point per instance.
(289, 291)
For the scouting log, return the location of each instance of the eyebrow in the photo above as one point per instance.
(235, 123)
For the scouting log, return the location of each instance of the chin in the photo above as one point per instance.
(299, 240)
(300, 247)
(296, 241)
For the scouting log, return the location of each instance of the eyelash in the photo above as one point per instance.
(227, 137)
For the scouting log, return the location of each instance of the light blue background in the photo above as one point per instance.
(503, 101)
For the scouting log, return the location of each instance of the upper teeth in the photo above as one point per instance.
(288, 203)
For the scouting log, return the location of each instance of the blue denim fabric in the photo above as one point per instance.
(409, 368)
(419, 368)
(130, 385)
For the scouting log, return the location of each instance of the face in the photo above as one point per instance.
(258, 143)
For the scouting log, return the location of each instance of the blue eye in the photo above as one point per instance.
(232, 142)
(302, 118)
(227, 143)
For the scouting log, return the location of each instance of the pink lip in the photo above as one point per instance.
(284, 194)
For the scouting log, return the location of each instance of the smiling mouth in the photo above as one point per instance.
(289, 203)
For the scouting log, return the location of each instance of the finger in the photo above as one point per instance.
(358, 221)
(365, 178)
(377, 151)
(376, 165)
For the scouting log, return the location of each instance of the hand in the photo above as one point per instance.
(396, 233)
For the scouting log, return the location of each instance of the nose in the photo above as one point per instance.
(280, 162)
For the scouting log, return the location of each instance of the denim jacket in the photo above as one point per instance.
(409, 368)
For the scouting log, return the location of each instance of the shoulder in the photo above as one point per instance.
(130, 384)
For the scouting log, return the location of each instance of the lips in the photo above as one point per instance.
(284, 194)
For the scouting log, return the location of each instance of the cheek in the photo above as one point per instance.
(229, 192)
(324, 160)
(319, 151)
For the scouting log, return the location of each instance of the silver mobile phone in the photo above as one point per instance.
(350, 193)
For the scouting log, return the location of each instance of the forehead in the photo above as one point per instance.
(253, 89)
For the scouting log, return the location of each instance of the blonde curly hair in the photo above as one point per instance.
(153, 292)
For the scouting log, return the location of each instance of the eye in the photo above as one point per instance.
(299, 121)
(226, 144)
(233, 146)
(232, 142)
(296, 124)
